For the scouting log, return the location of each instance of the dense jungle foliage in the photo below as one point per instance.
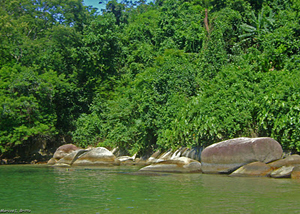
(149, 76)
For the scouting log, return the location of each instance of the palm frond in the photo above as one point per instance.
(246, 35)
(248, 28)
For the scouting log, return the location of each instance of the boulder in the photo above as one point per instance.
(153, 157)
(255, 169)
(140, 162)
(69, 159)
(97, 156)
(291, 160)
(193, 153)
(282, 172)
(120, 152)
(177, 153)
(3, 161)
(52, 161)
(64, 150)
(127, 160)
(165, 156)
(181, 164)
(296, 172)
(229, 155)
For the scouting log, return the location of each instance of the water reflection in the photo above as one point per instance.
(84, 187)
(251, 195)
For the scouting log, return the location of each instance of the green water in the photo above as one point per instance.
(43, 189)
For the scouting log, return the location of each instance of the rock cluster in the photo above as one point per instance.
(177, 164)
(83, 157)
(229, 155)
(178, 161)
(259, 157)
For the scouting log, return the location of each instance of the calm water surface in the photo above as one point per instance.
(44, 189)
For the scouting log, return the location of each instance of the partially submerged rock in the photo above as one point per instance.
(61, 152)
(153, 157)
(181, 164)
(69, 159)
(97, 156)
(127, 160)
(140, 162)
(165, 156)
(241, 156)
(52, 161)
(291, 160)
(255, 169)
(296, 173)
(193, 153)
(227, 156)
(282, 172)
(64, 150)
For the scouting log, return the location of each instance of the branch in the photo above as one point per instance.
(206, 21)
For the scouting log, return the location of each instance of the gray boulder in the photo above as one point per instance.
(292, 160)
(193, 153)
(179, 165)
(229, 155)
(69, 159)
(255, 169)
(97, 156)
(127, 160)
(296, 173)
(64, 150)
(52, 161)
(153, 157)
(61, 152)
(165, 156)
(282, 172)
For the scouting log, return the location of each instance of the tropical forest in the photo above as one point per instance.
(144, 76)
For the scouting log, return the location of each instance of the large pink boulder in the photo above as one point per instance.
(64, 150)
(69, 159)
(97, 156)
(61, 152)
(227, 156)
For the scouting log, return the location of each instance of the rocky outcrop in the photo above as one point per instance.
(52, 161)
(238, 157)
(61, 152)
(255, 169)
(282, 172)
(69, 154)
(97, 156)
(69, 159)
(130, 160)
(153, 158)
(165, 156)
(192, 153)
(64, 150)
(178, 165)
(296, 173)
(158, 157)
(292, 160)
(227, 156)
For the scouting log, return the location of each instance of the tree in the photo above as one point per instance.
(259, 26)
